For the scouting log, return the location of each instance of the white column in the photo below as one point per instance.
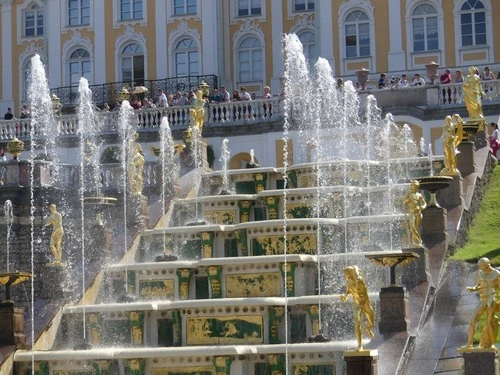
(161, 40)
(324, 31)
(209, 37)
(277, 57)
(396, 58)
(100, 43)
(53, 42)
(7, 35)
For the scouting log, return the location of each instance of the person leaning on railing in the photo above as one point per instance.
(445, 79)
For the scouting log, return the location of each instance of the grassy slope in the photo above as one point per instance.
(484, 235)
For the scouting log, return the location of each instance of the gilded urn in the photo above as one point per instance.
(15, 147)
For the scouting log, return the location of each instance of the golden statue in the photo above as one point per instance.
(488, 285)
(473, 93)
(452, 137)
(197, 113)
(55, 219)
(413, 204)
(135, 169)
(355, 286)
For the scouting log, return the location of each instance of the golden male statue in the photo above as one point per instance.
(197, 113)
(135, 170)
(355, 286)
(55, 219)
(488, 285)
(413, 204)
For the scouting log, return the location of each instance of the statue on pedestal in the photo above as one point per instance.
(473, 93)
(55, 219)
(413, 204)
(452, 137)
(197, 113)
(355, 286)
(135, 170)
(488, 285)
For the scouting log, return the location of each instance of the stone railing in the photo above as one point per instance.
(257, 111)
(237, 113)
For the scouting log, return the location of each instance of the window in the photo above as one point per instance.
(308, 40)
(79, 66)
(133, 64)
(473, 23)
(182, 7)
(249, 8)
(78, 12)
(250, 60)
(357, 34)
(425, 28)
(186, 58)
(303, 5)
(130, 10)
(33, 21)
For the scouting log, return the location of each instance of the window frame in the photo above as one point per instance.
(132, 56)
(249, 9)
(187, 51)
(357, 23)
(473, 24)
(185, 7)
(80, 61)
(39, 12)
(251, 60)
(307, 6)
(79, 9)
(425, 28)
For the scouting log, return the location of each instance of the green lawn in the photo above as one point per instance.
(484, 235)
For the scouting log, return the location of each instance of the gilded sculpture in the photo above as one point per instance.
(413, 204)
(356, 286)
(135, 170)
(473, 93)
(488, 285)
(55, 219)
(452, 137)
(197, 112)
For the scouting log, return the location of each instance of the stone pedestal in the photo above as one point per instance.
(481, 361)
(480, 140)
(434, 224)
(417, 272)
(465, 159)
(452, 196)
(11, 325)
(361, 362)
(55, 281)
(394, 310)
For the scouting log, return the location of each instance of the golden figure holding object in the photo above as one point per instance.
(356, 286)
(197, 113)
(55, 219)
(452, 137)
(488, 285)
(473, 93)
(413, 204)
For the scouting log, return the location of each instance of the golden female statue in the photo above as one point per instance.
(135, 169)
(488, 284)
(473, 93)
(413, 205)
(197, 113)
(355, 286)
(55, 219)
(452, 137)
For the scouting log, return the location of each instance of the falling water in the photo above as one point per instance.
(196, 143)
(224, 159)
(126, 124)
(422, 146)
(9, 217)
(431, 159)
(89, 141)
(252, 157)
(295, 103)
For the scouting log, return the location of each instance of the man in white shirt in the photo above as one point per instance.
(162, 99)
(403, 82)
(417, 80)
(224, 94)
(244, 96)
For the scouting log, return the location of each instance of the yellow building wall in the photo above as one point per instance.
(496, 29)
(449, 34)
(382, 37)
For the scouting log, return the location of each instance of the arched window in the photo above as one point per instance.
(132, 61)
(425, 28)
(308, 40)
(79, 66)
(186, 56)
(250, 67)
(357, 34)
(473, 23)
(33, 21)
(78, 12)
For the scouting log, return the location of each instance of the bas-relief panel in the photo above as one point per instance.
(253, 285)
(223, 217)
(156, 289)
(225, 330)
(274, 245)
(184, 371)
